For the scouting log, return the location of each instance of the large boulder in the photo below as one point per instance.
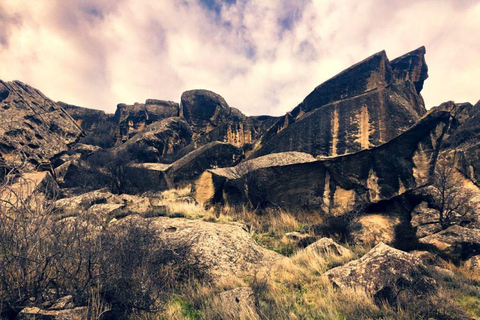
(385, 273)
(132, 119)
(27, 191)
(209, 187)
(364, 106)
(205, 110)
(34, 128)
(158, 176)
(223, 250)
(328, 247)
(334, 185)
(158, 140)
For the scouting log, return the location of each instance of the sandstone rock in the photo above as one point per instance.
(161, 138)
(34, 313)
(372, 229)
(385, 273)
(411, 67)
(334, 185)
(364, 106)
(145, 177)
(209, 185)
(239, 303)
(224, 250)
(326, 246)
(34, 128)
(132, 119)
(458, 243)
(205, 110)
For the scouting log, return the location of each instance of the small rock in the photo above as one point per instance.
(34, 313)
(327, 246)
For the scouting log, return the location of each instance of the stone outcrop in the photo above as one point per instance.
(132, 119)
(335, 185)
(456, 242)
(34, 128)
(385, 273)
(364, 106)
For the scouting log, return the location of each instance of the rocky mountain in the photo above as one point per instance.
(164, 204)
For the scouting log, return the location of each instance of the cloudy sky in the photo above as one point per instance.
(262, 56)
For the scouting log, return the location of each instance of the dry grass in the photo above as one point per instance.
(296, 288)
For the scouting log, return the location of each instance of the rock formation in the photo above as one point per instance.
(364, 106)
(335, 185)
(34, 128)
(132, 119)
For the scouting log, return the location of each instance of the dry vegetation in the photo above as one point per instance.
(94, 263)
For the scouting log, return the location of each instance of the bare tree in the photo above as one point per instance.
(452, 198)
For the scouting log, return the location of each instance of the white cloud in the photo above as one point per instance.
(263, 56)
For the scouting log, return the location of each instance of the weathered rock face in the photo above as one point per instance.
(132, 119)
(209, 187)
(338, 184)
(34, 128)
(385, 273)
(364, 106)
(464, 137)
